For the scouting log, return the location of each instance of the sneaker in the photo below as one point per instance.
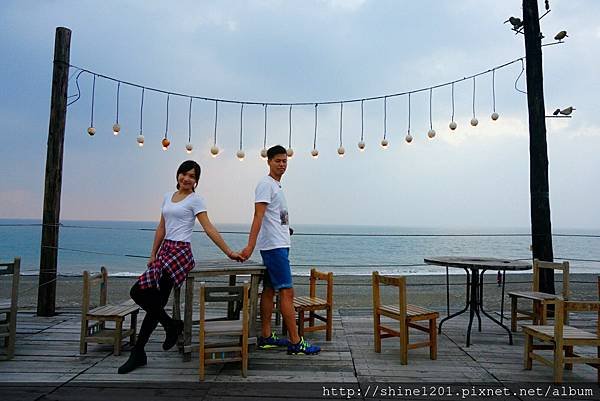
(303, 347)
(272, 341)
(172, 333)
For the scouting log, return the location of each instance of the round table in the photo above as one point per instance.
(475, 267)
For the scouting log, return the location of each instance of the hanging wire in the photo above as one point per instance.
(316, 117)
(118, 90)
(241, 125)
(473, 97)
(452, 102)
(301, 103)
(78, 94)
(384, 117)
(167, 119)
(290, 124)
(494, 90)
(190, 122)
(409, 113)
(142, 110)
(341, 119)
(519, 77)
(93, 96)
(430, 119)
(362, 121)
(265, 137)
(216, 118)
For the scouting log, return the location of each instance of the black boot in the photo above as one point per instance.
(136, 359)
(173, 330)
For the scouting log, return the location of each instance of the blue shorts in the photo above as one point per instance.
(279, 272)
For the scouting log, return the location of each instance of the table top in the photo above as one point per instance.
(222, 267)
(470, 262)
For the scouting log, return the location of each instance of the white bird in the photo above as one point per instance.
(515, 22)
(561, 35)
(567, 111)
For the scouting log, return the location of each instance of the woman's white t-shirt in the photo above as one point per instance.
(275, 229)
(181, 216)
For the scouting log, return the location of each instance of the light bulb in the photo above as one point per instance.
(408, 138)
(91, 131)
(140, 140)
(341, 151)
(361, 146)
(474, 122)
(431, 133)
(290, 153)
(495, 116)
(116, 129)
(385, 143)
(263, 154)
(189, 147)
(314, 153)
(452, 125)
(214, 151)
(240, 155)
(165, 143)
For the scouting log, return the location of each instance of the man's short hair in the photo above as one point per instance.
(275, 150)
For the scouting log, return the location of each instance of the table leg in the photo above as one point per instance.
(254, 279)
(231, 305)
(460, 311)
(472, 302)
(510, 339)
(177, 314)
(447, 293)
(502, 302)
(187, 319)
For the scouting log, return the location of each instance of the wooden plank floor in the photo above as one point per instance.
(47, 358)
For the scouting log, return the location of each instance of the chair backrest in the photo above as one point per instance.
(13, 268)
(89, 281)
(320, 276)
(564, 267)
(564, 307)
(399, 282)
(237, 294)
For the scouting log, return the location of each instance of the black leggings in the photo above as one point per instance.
(153, 301)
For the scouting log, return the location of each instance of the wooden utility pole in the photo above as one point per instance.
(541, 229)
(54, 160)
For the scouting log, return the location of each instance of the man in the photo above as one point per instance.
(270, 232)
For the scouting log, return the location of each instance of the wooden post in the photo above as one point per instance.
(541, 230)
(54, 160)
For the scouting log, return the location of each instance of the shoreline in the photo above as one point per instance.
(350, 291)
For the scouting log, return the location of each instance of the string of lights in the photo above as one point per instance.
(215, 151)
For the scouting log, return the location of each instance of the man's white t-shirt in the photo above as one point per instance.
(181, 216)
(275, 229)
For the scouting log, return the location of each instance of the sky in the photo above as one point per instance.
(310, 51)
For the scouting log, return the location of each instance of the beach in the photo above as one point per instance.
(349, 291)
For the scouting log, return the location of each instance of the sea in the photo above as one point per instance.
(123, 246)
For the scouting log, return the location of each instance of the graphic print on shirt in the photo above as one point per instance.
(283, 209)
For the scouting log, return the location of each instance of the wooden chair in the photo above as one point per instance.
(98, 332)
(562, 339)
(540, 299)
(406, 315)
(9, 308)
(224, 351)
(312, 304)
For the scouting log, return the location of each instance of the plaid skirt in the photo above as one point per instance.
(175, 259)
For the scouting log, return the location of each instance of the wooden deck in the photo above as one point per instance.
(47, 361)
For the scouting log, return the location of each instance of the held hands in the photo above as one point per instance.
(151, 260)
(236, 256)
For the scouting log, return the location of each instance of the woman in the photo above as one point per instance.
(171, 260)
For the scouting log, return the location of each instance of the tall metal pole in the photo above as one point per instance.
(54, 160)
(541, 229)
